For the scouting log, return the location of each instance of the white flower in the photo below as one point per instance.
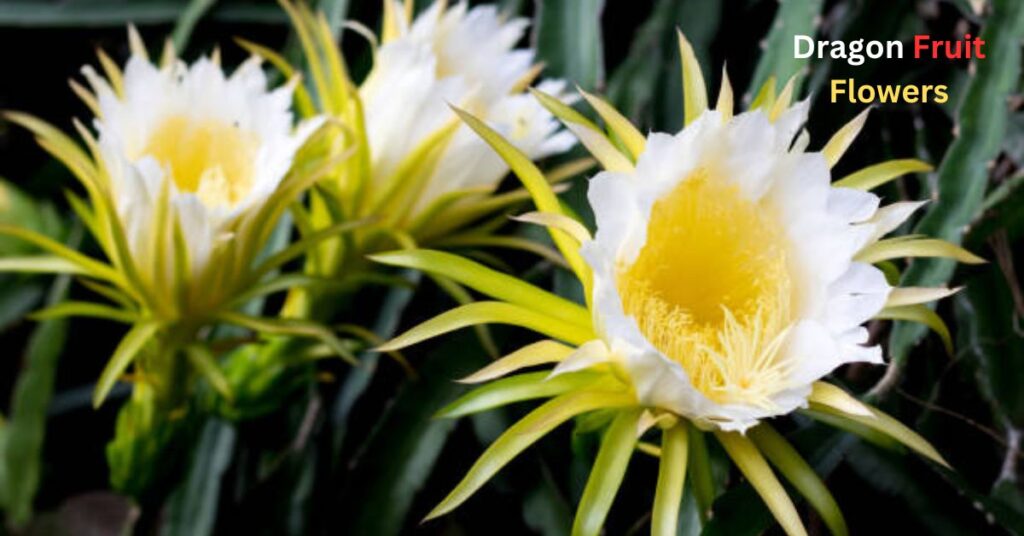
(463, 57)
(217, 146)
(724, 279)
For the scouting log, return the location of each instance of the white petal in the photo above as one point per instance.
(852, 205)
(889, 217)
(588, 355)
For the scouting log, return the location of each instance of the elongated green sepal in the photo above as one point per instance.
(303, 245)
(206, 363)
(838, 420)
(87, 265)
(517, 388)
(702, 482)
(303, 102)
(42, 264)
(124, 354)
(784, 99)
(895, 248)
(826, 394)
(523, 434)
(490, 312)
(765, 97)
(755, 468)
(87, 309)
(607, 473)
(487, 281)
(671, 477)
(882, 422)
(879, 174)
(901, 296)
(534, 181)
(569, 225)
(724, 104)
(593, 138)
(922, 315)
(618, 124)
(841, 140)
(531, 355)
(788, 461)
(695, 93)
(290, 281)
(290, 326)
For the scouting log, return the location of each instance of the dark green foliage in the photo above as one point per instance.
(331, 449)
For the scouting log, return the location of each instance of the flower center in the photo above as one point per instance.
(711, 290)
(213, 159)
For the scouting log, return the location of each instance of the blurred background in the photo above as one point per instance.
(355, 451)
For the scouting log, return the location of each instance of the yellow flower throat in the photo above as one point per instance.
(213, 159)
(711, 290)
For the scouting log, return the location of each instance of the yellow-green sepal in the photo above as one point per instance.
(788, 461)
(607, 473)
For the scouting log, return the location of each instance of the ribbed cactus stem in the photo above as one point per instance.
(963, 175)
(794, 17)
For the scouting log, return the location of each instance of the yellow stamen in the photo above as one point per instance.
(213, 159)
(711, 290)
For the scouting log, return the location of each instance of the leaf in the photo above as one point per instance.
(927, 500)
(117, 13)
(357, 381)
(124, 354)
(17, 297)
(23, 435)
(962, 177)
(18, 208)
(335, 11)
(646, 85)
(192, 507)
(985, 316)
(569, 41)
(607, 473)
(546, 511)
(778, 58)
(402, 450)
(194, 10)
